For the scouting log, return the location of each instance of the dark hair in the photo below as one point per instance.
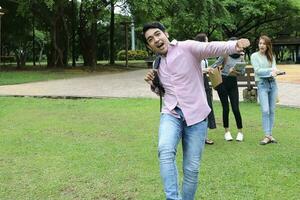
(233, 38)
(150, 26)
(235, 55)
(269, 51)
(201, 37)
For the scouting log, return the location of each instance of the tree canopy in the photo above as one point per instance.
(92, 28)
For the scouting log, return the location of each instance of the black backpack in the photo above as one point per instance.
(157, 88)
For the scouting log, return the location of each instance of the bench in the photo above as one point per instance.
(7, 59)
(149, 61)
(248, 81)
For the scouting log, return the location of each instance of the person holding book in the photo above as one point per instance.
(229, 89)
(264, 64)
(202, 37)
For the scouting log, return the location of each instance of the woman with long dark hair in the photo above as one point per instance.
(229, 89)
(264, 64)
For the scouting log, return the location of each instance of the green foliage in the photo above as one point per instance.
(252, 18)
(183, 19)
(50, 3)
(296, 3)
(94, 11)
(223, 19)
(40, 35)
(132, 55)
(198, 16)
(25, 7)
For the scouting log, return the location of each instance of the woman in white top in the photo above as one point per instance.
(265, 69)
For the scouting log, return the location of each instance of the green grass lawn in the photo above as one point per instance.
(107, 149)
(9, 77)
(16, 77)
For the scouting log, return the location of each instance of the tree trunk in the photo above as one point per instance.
(20, 55)
(59, 34)
(88, 39)
(89, 47)
(112, 33)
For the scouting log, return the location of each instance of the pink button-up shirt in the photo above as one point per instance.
(181, 76)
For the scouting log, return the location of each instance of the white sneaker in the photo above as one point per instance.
(228, 136)
(240, 137)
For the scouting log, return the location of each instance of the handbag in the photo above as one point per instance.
(215, 77)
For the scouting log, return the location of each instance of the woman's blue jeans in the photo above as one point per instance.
(171, 131)
(267, 94)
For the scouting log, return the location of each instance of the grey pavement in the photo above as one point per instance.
(126, 84)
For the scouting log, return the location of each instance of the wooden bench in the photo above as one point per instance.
(149, 61)
(248, 82)
(7, 59)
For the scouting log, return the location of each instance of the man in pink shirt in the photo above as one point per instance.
(185, 107)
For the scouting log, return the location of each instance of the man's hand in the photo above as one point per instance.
(149, 77)
(241, 44)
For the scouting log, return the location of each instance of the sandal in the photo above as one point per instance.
(208, 141)
(266, 140)
(272, 139)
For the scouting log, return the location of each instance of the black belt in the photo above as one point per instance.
(270, 79)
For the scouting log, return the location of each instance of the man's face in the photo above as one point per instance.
(157, 40)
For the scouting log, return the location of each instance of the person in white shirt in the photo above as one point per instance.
(202, 37)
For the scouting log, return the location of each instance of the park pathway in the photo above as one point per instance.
(125, 84)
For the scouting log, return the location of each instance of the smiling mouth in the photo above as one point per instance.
(160, 45)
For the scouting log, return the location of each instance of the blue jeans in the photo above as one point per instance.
(267, 94)
(171, 131)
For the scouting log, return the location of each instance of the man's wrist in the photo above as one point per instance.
(238, 47)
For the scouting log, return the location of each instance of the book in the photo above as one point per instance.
(239, 66)
(238, 69)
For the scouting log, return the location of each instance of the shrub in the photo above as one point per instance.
(132, 55)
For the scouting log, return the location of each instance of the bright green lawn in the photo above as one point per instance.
(17, 77)
(34, 74)
(106, 149)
